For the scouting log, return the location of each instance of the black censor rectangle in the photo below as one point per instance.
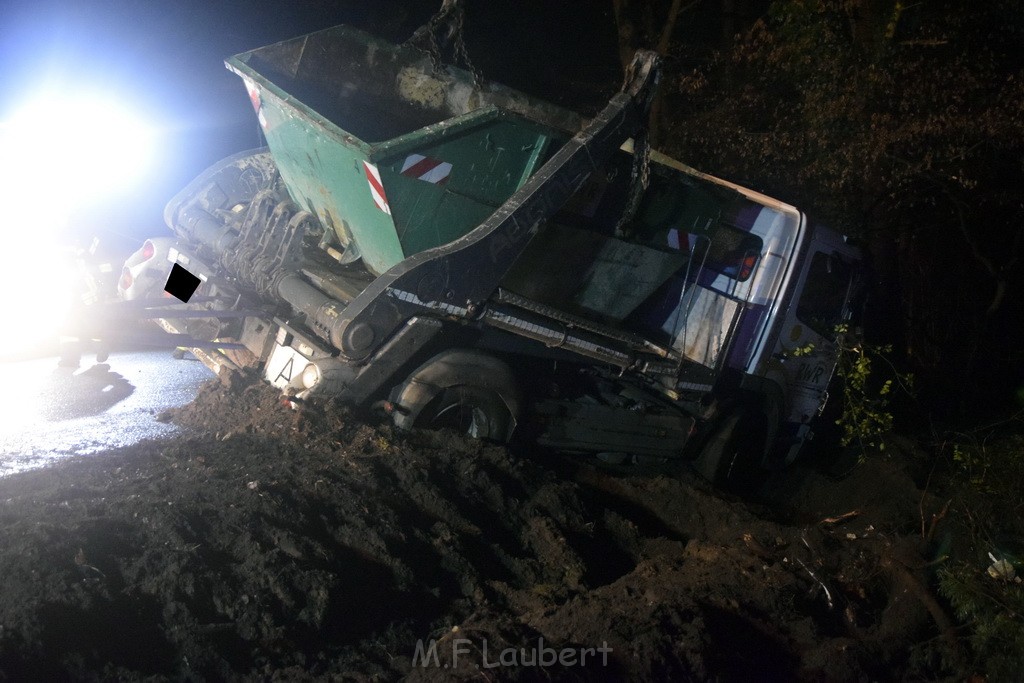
(181, 284)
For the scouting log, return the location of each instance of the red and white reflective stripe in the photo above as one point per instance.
(254, 93)
(426, 168)
(257, 104)
(678, 240)
(376, 187)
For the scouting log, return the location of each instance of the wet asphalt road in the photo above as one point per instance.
(48, 412)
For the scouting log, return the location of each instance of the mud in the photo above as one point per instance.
(316, 544)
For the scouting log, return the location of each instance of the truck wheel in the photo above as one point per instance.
(468, 410)
(732, 457)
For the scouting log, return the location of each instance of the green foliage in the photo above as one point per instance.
(867, 415)
(987, 476)
(994, 609)
(805, 350)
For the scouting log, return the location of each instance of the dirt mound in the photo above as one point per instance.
(308, 544)
(238, 404)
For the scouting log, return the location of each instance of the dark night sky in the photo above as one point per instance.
(165, 59)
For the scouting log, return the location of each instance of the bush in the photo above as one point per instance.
(987, 476)
(867, 416)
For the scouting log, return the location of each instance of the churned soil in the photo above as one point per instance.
(312, 543)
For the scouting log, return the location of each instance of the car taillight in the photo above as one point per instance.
(126, 279)
(148, 249)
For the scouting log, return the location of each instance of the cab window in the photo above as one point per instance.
(824, 296)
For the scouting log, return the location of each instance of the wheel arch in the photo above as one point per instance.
(753, 411)
(453, 368)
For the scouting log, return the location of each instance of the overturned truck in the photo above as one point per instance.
(469, 257)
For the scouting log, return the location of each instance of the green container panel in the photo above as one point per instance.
(391, 156)
(458, 174)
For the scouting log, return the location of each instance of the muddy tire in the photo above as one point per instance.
(468, 410)
(732, 457)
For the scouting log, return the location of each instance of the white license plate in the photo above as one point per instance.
(284, 365)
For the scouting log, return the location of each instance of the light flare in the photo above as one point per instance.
(61, 154)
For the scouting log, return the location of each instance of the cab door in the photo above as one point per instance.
(807, 342)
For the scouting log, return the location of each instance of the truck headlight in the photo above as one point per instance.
(311, 376)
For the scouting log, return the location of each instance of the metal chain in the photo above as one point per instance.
(453, 13)
(431, 29)
(639, 180)
(458, 19)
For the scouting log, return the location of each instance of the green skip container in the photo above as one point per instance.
(393, 156)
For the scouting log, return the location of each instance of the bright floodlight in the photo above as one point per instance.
(73, 149)
(62, 153)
